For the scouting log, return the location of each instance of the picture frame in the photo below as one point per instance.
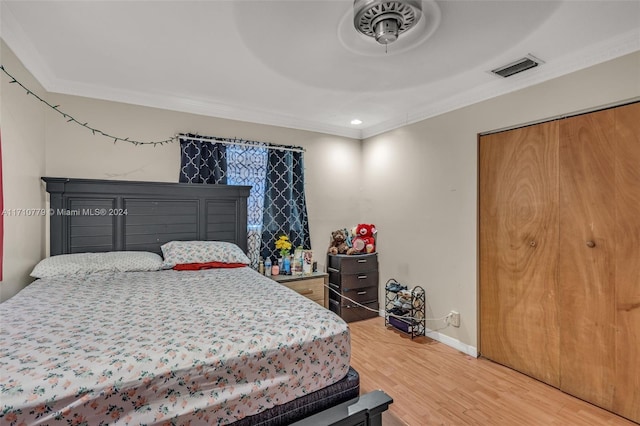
(307, 261)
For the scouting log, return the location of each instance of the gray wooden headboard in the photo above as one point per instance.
(91, 215)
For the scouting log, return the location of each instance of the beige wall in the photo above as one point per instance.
(22, 123)
(420, 184)
(332, 163)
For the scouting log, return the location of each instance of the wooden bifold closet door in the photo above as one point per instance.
(587, 258)
(559, 243)
(626, 398)
(519, 250)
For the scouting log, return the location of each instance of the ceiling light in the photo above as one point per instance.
(385, 20)
(356, 121)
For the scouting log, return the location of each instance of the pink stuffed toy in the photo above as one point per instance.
(364, 240)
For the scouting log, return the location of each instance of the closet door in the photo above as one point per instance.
(626, 399)
(518, 193)
(587, 257)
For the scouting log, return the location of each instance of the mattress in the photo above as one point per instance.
(205, 347)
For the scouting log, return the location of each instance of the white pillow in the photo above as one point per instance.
(181, 252)
(89, 263)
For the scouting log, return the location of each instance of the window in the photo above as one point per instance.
(248, 166)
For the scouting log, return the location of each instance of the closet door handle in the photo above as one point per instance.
(591, 244)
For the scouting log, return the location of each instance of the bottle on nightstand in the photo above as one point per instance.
(286, 265)
(267, 267)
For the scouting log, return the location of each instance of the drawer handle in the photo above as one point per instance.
(362, 292)
(362, 277)
(305, 292)
(362, 260)
(591, 244)
(333, 270)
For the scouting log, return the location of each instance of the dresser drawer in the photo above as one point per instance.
(311, 288)
(363, 279)
(353, 264)
(360, 295)
(352, 313)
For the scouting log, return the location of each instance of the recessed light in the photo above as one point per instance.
(356, 121)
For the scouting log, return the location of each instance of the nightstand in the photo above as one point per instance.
(311, 286)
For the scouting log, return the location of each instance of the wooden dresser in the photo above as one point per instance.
(354, 277)
(312, 286)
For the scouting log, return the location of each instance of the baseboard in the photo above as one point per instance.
(449, 341)
(454, 343)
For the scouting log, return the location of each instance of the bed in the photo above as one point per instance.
(120, 345)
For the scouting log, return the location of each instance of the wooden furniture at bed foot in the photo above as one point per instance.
(353, 285)
(366, 410)
(312, 286)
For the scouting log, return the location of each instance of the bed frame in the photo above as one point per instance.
(91, 215)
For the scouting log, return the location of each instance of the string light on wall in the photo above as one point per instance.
(93, 130)
(175, 138)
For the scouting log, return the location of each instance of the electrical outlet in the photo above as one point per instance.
(454, 318)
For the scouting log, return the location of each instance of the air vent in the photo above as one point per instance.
(520, 65)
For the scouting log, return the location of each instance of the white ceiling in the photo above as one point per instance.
(300, 63)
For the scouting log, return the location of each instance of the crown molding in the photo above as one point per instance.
(200, 107)
(611, 49)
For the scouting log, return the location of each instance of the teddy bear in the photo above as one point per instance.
(364, 240)
(338, 243)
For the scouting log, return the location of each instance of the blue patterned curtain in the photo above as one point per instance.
(247, 165)
(285, 208)
(276, 202)
(202, 162)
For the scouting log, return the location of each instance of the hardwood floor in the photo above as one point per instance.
(434, 384)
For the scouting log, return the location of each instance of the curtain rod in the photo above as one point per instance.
(241, 142)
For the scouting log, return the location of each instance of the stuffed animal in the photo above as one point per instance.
(338, 243)
(364, 240)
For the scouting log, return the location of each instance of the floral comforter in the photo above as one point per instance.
(169, 347)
